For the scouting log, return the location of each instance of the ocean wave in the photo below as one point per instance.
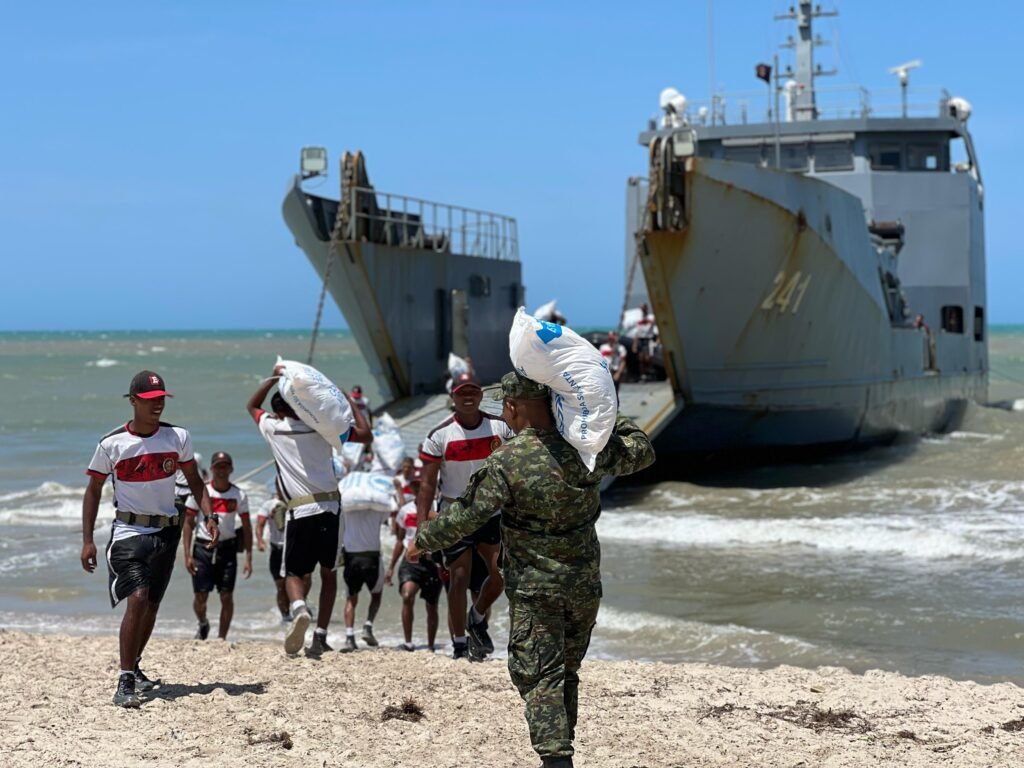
(878, 497)
(911, 536)
(103, 362)
(696, 640)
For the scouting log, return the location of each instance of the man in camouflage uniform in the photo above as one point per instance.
(550, 503)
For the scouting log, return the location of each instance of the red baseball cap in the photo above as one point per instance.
(464, 380)
(221, 457)
(148, 385)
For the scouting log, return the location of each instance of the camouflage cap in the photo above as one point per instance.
(516, 387)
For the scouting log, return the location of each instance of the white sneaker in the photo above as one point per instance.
(295, 637)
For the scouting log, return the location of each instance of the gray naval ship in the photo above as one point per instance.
(818, 276)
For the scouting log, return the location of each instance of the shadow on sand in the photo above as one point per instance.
(172, 691)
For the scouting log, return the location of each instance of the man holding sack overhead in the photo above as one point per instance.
(310, 417)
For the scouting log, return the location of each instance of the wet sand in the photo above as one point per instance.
(228, 704)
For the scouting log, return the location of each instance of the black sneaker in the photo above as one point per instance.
(204, 630)
(350, 644)
(125, 695)
(460, 651)
(319, 646)
(552, 761)
(143, 683)
(368, 637)
(477, 632)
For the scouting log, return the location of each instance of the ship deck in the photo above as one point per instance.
(650, 404)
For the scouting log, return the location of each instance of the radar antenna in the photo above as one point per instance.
(903, 72)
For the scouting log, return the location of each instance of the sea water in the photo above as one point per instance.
(906, 557)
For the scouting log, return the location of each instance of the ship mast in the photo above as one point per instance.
(803, 13)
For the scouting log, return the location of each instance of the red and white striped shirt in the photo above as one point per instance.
(462, 451)
(143, 469)
(226, 505)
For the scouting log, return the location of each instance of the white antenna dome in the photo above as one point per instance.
(673, 102)
(960, 108)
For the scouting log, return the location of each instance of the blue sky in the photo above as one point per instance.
(146, 146)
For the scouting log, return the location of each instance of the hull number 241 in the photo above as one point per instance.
(787, 292)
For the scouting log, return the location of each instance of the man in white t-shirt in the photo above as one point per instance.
(141, 458)
(363, 565)
(453, 450)
(615, 355)
(307, 484)
(360, 401)
(644, 337)
(414, 578)
(217, 566)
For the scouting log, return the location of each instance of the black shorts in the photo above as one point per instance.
(363, 569)
(644, 344)
(423, 574)
(143, 561)
(275, 562)
(216, 567)
(311, 541)
(488, 533)
(478, 574)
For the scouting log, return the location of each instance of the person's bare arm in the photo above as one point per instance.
(186, 539)
(428, 489)
(90, 509)
(396, 552)
(361, 431)
(247, 546)
(255, 403)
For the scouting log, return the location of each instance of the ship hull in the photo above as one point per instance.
(775, 327)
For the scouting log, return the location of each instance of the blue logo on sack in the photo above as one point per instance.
(548, 331)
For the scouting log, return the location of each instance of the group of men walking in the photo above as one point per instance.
(505, 496)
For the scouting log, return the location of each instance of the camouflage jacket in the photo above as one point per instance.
(549, 503)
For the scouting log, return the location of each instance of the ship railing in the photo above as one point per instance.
(412, 222)
(842, 102)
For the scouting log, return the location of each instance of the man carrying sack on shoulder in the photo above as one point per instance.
(550, 503)
(307, 484)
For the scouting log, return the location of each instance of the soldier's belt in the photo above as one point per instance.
(147, 521)
(449, 499)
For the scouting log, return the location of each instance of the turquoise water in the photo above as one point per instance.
(907, 557)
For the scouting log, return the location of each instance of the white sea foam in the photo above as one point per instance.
(158, 349)
(927, 537)
(695, 640)
(103, 362)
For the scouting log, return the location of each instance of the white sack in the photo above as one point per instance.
(457, 365)
(367, 491)
(316, 401)
(630, 318)
(388, 446)
(582, 390)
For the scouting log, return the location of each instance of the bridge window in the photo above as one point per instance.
(953, 319)
(794, 157)
(744, 154)
(885, 156)
(833, 156)
(979, 323)
(924, 157)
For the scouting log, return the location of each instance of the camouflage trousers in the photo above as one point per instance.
(548, 638)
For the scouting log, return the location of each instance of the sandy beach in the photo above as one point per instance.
(245, 703)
